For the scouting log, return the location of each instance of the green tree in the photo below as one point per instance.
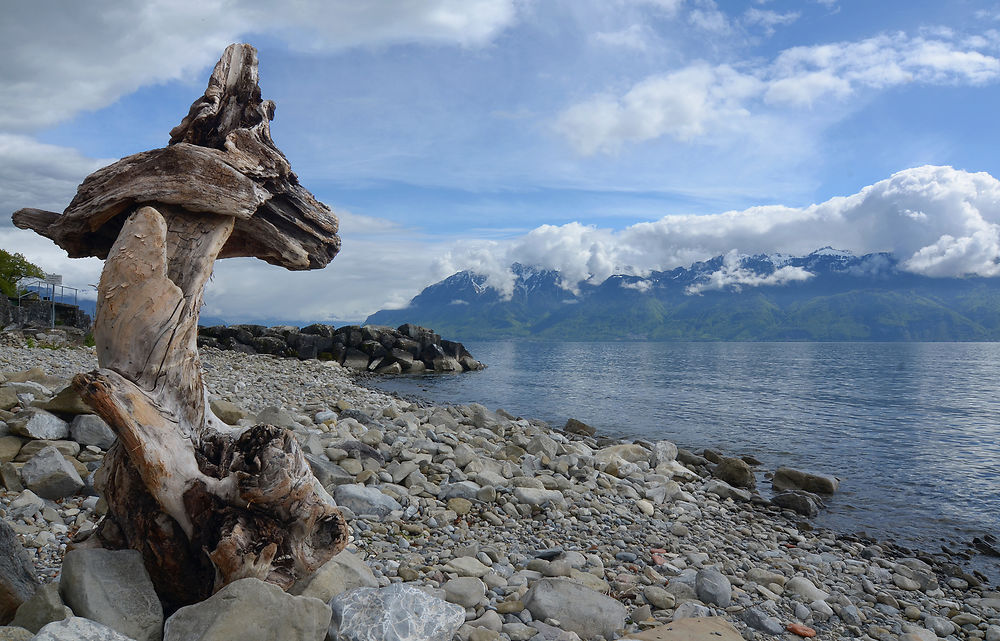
(14, 267)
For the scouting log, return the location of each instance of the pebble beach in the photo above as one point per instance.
(534, 531)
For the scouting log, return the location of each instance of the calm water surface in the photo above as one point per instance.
(912, 429)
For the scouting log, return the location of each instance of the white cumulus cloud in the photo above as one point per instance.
(700, 100)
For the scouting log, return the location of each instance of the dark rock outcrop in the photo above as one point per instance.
(408, 349)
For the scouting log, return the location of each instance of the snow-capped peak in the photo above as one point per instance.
(830, 251)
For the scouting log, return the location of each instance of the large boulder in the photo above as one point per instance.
(18, 581)
(398, 612)
(786, 478)
(578, 609)
(736, 472)
(663, 452)
(250, 610)
(78, 629)
(630, 452)
(362, 500)
(574, 426)
(49, 475)
(90, 429)
(113, 588)
(804, 503)
(37, 423)
(343, 572)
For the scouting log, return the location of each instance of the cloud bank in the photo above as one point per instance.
(938, 221)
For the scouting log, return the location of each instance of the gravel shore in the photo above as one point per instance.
(485, 509)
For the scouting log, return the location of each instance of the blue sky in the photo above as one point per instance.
(590, 136)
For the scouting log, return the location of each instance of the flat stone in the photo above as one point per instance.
(78, 629)
(713, 587)
(537, 497)
(44, 607)
(66, 448)
(17, 574)
(33, 374)
(805, 590)
(658, 597)
(691, 629)
(691, 610)
(764, 576)
(466, 566)
(8, 398)
(39, 424)
(10, 477)
(724, 490)
(228, 412)
(277, 416)
(90, 429)
(67, 401)
(113, 588)
(905, 583)
(9, 447)
(460, 506)
(362, 499)
(250, 609)
(463, 490)
(578, 609)
(398, 612)
(588, 580)
(343, 572)
(760, 620)
(49, 475)
(630, 452)
(329, 474)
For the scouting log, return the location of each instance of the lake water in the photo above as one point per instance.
(911, 429)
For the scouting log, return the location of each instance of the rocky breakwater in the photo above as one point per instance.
(409, 349)
(474, 525)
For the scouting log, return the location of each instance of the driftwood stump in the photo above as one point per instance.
(205, 503)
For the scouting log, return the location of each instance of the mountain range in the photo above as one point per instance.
(828, 295)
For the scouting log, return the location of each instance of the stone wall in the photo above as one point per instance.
(408, 349)
(38, 314)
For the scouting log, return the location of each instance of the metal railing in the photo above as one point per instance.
(45, 290)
